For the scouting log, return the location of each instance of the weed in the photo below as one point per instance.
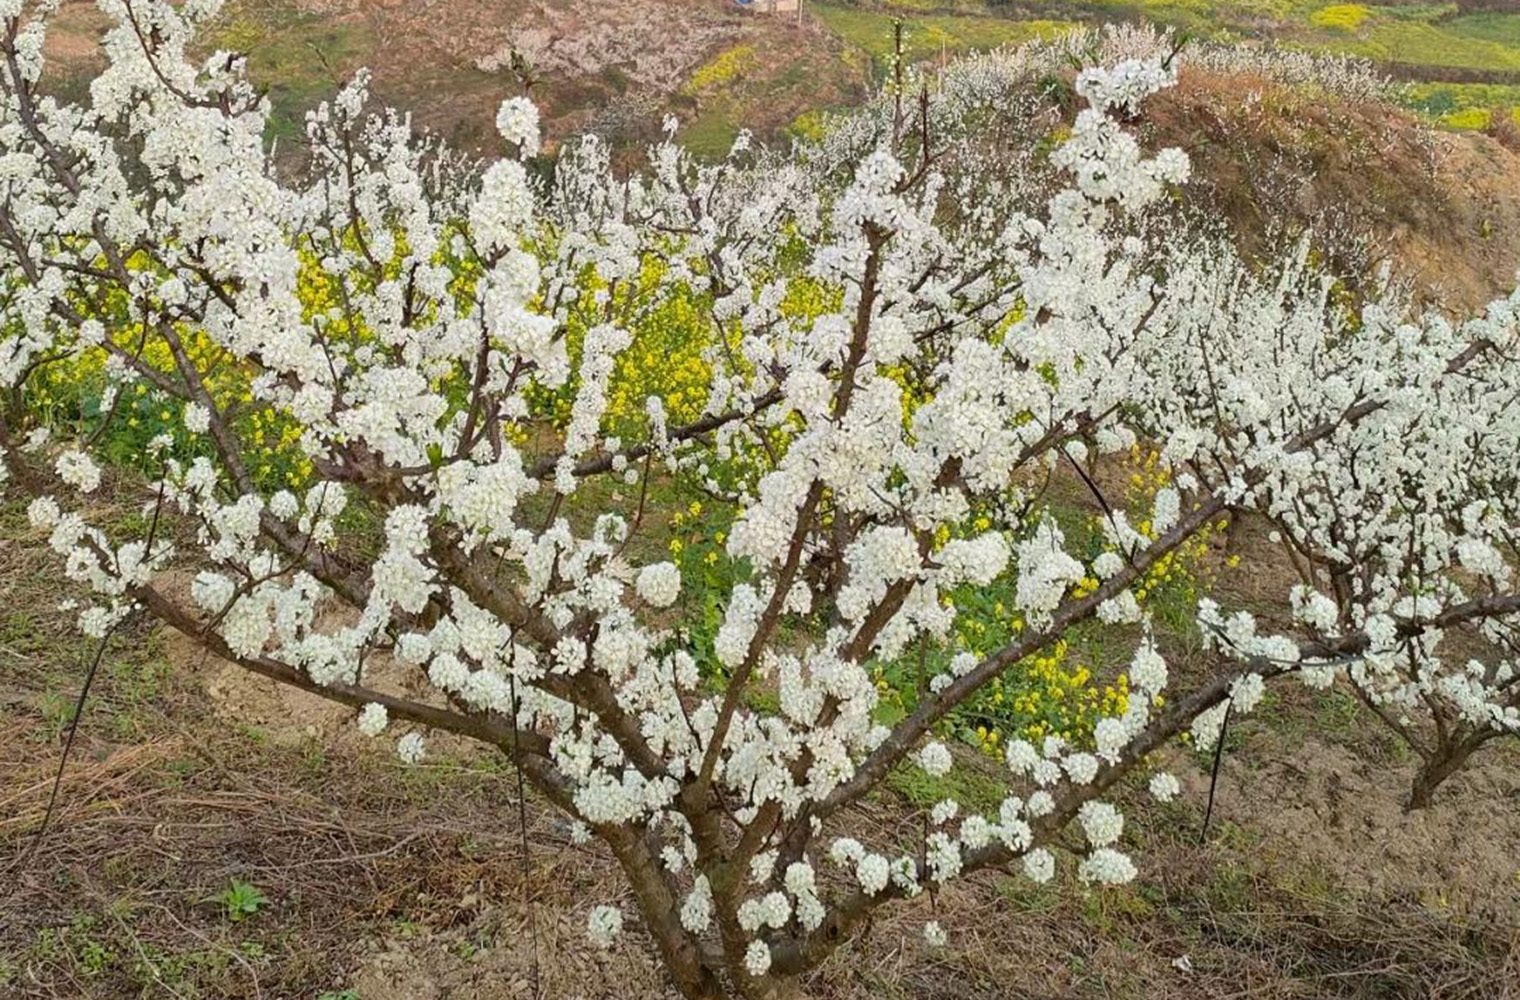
(57, 709)
(973, 790)
(1034, 898)
(239, 901)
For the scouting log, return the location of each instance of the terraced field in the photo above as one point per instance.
(618, 68)
(1462, 59)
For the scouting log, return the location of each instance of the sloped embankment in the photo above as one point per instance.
(1443, 208)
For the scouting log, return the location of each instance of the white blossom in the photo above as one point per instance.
(517, 121)
(469, 353)
(373, 719)
(1040, 865)
(603, 924)
(1164, 786)
(757, 958)
(77, 469)
(659, 584)
(412, 748)
(935, 759)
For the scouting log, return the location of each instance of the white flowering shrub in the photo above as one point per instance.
(964, 341)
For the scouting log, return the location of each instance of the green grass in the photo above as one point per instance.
(300, 58)
(973, 790)
(1424, 44)
(926, 36)
(1494, 27)
(1463, 105)
(1413, 34)
(712, 135)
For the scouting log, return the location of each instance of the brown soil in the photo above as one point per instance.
(1375, 184)
(1322, 802)
(408, 884)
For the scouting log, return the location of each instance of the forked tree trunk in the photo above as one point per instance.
(1435, 771)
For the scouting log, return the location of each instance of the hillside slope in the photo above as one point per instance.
(611, 68)
(1444, 206)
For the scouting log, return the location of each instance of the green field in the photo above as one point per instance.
(1463, 67)
(1464, 105)
(294, 54)
(927, 36)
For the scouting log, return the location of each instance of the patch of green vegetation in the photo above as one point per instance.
(313, 758)
(1113, 910)
(300, 58)
(126, 683)
(239, 901)
(712, 135)
(135, 680)
(253, 734)
(1231, 889)
(1415, 42)
(927, 36)
(974, 791)
(106, 951)
(57, 707)
(762, 701)
(1492, 27)
(1035, 898)
(1463, 105)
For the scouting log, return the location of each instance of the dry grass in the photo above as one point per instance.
(387, 883)
(1370, 181)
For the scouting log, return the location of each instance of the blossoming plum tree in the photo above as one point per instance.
(433, 531)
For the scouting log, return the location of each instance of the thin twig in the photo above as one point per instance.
(522, 826)
(1224, 728)
(68, 745)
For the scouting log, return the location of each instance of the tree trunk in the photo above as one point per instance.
(1436, 770)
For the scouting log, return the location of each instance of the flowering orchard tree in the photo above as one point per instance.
(898, 343)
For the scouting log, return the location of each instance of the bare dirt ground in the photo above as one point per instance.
(1375, 185)
(382, 882)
